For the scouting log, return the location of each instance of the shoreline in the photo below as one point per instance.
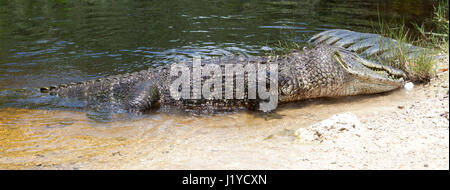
(404, 129)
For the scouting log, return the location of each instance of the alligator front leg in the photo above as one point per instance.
(144, 97)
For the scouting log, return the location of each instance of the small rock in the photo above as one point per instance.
(116, 153)
(269, 137)
(445, 115)
(409, 86)
(329, 128)
(400, 106)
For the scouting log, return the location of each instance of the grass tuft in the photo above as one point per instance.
(433, 35)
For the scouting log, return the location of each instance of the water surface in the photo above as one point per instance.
(52, 41)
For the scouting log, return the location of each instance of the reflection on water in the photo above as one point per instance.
(45, 42)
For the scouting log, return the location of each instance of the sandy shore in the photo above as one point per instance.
(415, 135)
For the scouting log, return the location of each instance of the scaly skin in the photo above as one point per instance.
(324, 71)
(369, 46)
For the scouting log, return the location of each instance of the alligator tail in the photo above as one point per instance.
(127, 88)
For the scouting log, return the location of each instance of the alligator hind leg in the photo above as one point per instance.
(144, 97)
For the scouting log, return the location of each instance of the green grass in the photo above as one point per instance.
(285, 46)
(433, 35)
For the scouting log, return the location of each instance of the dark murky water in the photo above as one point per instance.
(46, 42)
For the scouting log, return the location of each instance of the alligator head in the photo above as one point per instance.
(328, 71)
(368, 76)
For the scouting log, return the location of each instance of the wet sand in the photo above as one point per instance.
(401, 130)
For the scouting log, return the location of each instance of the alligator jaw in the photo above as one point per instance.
(369, 77)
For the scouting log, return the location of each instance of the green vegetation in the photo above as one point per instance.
(283, 47)
(432, 35)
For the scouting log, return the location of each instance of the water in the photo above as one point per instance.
(44, 42)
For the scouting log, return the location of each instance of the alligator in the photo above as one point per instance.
(330, 69)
